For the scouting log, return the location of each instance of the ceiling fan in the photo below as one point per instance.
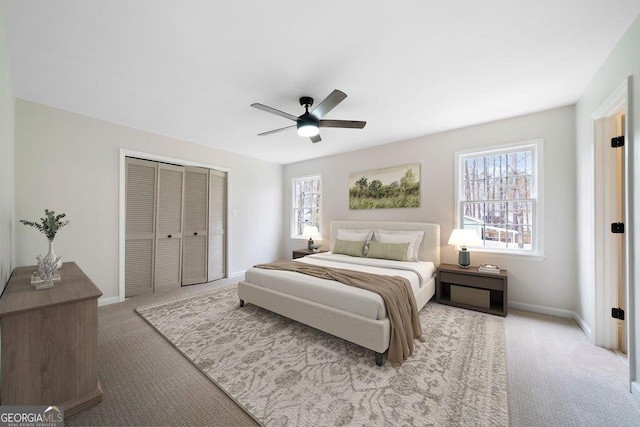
(309, 123)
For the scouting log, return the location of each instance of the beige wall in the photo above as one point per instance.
(547, 284)
(70, 163)
(7, 145)
(623, 61)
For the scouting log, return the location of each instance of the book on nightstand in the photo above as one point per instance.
(489, 268)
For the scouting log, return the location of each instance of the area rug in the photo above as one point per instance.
(284, 373)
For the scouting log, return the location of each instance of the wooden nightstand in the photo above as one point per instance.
(472, 289)
(299, 253)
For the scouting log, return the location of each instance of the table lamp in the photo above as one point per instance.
(464, 238)
(310, 231)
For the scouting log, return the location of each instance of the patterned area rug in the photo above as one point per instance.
(284, 373)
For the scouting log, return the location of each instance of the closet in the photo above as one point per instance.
(175, 226)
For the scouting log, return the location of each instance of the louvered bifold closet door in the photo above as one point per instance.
(168, 271)
(217, 224)
(140, 226)
(196, 200)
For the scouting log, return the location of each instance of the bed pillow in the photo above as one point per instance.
(414, 238)
(392, 251)
(354, 235)
(349, 247)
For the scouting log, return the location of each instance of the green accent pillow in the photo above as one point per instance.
(392, 251)
(349, 247)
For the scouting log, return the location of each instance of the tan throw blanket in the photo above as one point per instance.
(395, 291)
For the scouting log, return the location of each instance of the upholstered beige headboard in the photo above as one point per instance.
(429, 249)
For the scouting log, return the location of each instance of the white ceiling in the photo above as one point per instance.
(190, 69)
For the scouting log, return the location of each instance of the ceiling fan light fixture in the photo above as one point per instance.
(308, 124)
(308, 128)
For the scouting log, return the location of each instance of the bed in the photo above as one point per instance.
(353, 314)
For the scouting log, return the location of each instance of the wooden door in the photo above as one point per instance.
(217, 224)
(169, 227)
(196, 201)
(140, 223)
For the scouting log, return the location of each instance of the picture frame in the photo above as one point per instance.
(385, 188)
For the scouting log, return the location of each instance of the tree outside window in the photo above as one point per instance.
(498, 197)
(307, 198)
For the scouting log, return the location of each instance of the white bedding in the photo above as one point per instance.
(338, 295)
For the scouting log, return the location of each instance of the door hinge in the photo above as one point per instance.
(617, 227)
(617, 313)
(617, 141)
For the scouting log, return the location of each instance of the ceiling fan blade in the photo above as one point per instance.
(354, 124)
(315, 139)
(328, 104)
(274, 111)
(276, 130)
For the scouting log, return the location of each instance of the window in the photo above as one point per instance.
(307, 203)
(498, 197)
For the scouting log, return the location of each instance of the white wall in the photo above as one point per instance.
(623, 61)
(549, 282)
(70, 163)
(7, 145)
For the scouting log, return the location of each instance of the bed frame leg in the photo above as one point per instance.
(241, 303)
(379, 359)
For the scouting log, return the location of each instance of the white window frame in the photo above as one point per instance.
(536, 146)
(294, 235)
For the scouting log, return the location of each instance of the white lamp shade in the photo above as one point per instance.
(311, 231)
(462, 237)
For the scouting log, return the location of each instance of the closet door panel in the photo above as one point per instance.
(140, 185)
(194, 259)
(217, 261)
(138, 270)
(167, 264)
(194, 254)
(170, 192)
(217, 224)
(169, 227)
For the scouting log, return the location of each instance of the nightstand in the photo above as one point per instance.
(472, 289)
(299, 253)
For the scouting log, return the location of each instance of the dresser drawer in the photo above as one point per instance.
(472, 280)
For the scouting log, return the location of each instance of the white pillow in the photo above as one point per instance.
(414, 238)
(354, 235)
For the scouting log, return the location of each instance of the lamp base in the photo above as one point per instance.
(310, 244)
(464, 258)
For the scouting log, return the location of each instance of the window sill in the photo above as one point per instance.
(531, 256)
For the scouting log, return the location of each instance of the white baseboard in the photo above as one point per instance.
(553, 312)
(107, 301)
(583, 325)
(635, 389)
(237, 274)
(542, 309)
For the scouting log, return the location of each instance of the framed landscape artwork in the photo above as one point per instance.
(394, 187)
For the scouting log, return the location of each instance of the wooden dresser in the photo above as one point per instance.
(50, 341)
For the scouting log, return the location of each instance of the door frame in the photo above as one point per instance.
(604, 334)
(122, 209)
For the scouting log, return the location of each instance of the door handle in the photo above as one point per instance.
(195, 233)
(169, 236)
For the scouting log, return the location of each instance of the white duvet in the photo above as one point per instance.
(335, 294)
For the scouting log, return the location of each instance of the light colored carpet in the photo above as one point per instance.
(558, 378)
(285, 373)
(146, 382)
